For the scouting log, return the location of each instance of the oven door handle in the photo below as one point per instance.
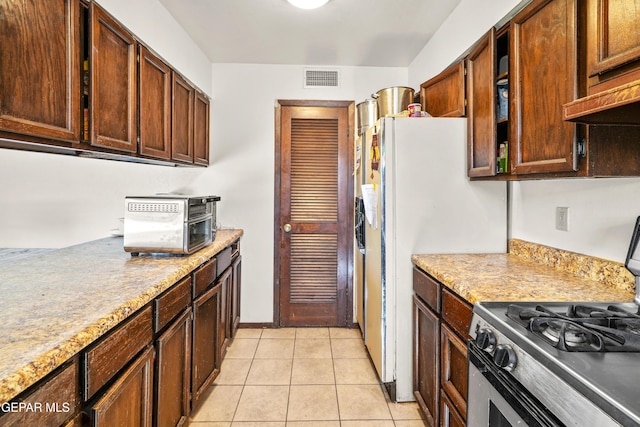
(521, 401)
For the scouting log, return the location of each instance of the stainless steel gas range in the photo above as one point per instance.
(556, 364)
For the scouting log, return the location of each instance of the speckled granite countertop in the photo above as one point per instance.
(530, 272)
(56, 303)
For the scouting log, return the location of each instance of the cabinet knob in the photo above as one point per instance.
(286, 228)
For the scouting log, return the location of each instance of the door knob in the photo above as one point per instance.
(286, 228)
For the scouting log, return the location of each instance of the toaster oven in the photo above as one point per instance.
(173, 224)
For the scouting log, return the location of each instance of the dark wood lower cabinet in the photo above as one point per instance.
(128, 401)
(234, 297)
(154, 367)
(441, 324)
(106, 358)
(206, 309)
(173, 379)
(454, 373)
(449, 416)
(225, 281)
(58, 398)
(426, 367)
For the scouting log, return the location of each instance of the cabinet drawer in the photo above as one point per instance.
(113, 352)
(53, 401)
(224, 260)
(172, 303)
(457, 313)
(204, 276)
(427, 289)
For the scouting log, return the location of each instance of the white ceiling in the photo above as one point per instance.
(344, 32)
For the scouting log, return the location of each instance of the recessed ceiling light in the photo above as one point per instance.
(308, 4)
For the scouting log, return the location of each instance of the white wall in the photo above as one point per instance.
(602, 213)
(466, 25)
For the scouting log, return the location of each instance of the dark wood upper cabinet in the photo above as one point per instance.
(481, 96)
(182, 126)
(154, 85)
(113, 83)
(542, 77)
(201, 129)
(612, 69)
(444, 94)
(615, 41)
(40, 69)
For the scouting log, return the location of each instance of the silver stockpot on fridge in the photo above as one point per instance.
(367, 114)
(393, 100)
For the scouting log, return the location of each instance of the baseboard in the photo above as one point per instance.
(269, 325)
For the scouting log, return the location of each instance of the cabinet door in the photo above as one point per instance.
(182, 120)
(113, 83)
(543, 77)
(612, 34)
(454, 369)
(444, 95)
(234, 297)
(224, 328)
(449, 416)
(206, 312)
(426, 366)
(155, 105)
(128, 401)
(173, 379)
(40, 68)
(201, 119)
(481, 98)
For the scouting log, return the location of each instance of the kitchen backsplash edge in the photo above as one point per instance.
(610, 273)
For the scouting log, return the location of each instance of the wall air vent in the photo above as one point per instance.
(321, 78)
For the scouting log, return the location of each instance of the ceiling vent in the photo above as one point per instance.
(321, 78)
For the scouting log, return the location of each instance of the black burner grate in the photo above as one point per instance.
(582, 328)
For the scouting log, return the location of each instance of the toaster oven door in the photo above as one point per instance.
(198, 234)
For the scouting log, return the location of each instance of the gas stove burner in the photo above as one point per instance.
(583, 328)
(572, 336)
(566, 335)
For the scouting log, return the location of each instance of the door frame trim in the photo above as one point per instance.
(350, 105)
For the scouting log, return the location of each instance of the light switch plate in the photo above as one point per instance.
(562, 218)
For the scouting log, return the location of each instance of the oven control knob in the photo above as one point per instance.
(486, 340)
(505, 357)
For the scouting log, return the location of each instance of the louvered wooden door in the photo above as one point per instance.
(314, 214)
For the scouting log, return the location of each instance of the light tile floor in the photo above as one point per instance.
(300, 377)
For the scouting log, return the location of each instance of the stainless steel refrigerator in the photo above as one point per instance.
(419, 200)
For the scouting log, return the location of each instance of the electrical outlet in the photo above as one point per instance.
(562, 219)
